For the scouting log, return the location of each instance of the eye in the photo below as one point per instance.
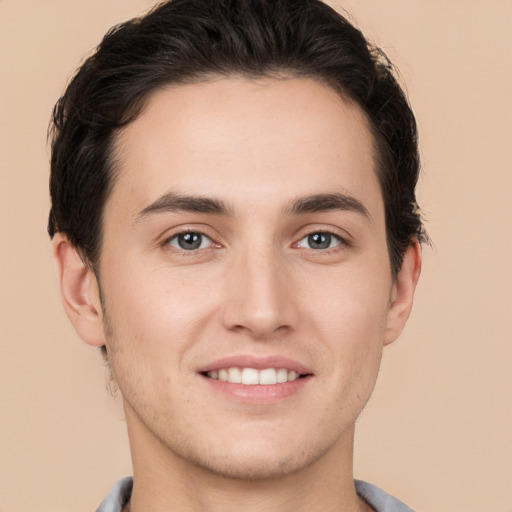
(190, 241)
(319, 241)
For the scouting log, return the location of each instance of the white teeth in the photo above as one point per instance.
(268, 376)
(251, 376)
(234, 376)
(282, 375)
(292, 375)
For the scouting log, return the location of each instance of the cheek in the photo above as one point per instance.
(351, 315)
(354, 301)
(157, 314)
(355, 338)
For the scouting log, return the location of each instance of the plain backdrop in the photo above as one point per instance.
(437, 432)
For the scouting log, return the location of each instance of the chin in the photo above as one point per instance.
(255, 462)
(252, 468)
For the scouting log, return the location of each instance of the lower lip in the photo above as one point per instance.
(258, 394)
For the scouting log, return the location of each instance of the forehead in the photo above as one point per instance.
(245, 141)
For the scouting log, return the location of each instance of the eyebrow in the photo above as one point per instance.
(172, 202)
(326, 202)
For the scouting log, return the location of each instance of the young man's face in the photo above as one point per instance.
(245, 239)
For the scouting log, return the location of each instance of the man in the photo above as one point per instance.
(234, 223)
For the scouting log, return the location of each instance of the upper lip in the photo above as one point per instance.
(256, 362)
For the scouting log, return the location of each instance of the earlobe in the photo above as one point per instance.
(403, 292)
(79, 291)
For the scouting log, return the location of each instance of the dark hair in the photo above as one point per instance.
(185, 41)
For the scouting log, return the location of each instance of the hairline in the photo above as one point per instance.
(140, 104)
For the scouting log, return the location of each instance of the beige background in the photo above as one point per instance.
(438, 431)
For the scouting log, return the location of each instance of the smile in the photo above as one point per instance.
(252, 376)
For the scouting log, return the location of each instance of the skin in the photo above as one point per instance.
(256, 287)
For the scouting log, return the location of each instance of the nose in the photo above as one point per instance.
(260, 302)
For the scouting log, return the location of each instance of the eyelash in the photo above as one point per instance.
(175, 237)
(341, 242)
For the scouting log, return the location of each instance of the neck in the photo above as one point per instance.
(164, 481)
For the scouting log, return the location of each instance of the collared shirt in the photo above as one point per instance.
(120, 494)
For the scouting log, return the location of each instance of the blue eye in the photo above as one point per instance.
(319, 241)
(190, 241)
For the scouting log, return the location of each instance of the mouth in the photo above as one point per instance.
(256, 379)
(252, 376)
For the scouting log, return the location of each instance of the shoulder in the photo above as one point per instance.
(378, 499)
(118, 496)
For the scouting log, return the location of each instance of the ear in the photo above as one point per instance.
(79, 290)
(403, 292)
